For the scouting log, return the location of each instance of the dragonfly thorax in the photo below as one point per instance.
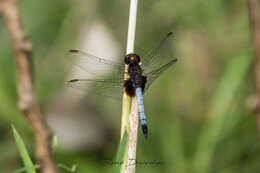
(134, 69)
(135, 73)
(136, 78)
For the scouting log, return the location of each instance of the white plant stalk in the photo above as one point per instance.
(130, 118)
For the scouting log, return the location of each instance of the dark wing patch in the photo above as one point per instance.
(128, 87)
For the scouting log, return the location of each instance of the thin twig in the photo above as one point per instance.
(254, 17)
(27, 97)
(130, 121)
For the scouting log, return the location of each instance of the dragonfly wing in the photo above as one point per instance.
(109, 88)
(160, 55)
(93, 64)
(153, 75)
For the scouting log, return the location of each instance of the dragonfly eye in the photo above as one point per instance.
(127, 61)
(132, 57)
(137, 58)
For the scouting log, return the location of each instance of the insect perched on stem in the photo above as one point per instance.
(141, 74)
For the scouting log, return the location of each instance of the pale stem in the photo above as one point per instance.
(130, 119)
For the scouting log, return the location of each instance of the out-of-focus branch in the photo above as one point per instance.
(27, 97)
(254, 17)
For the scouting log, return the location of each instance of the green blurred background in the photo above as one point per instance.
(198, 112)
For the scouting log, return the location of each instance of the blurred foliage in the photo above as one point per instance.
(28, 165)
(198, 116)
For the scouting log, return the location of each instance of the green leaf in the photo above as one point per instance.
(25, 169)
(121, 152)
(54, 143)
(29, 166)
(234, 75)
(65, 167)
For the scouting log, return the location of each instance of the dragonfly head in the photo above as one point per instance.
(132, 58)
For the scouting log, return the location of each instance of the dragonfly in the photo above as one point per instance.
(141, 74)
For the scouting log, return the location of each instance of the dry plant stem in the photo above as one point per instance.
(132, 140)
(130, 121)
(24, 73)
(254, 17)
